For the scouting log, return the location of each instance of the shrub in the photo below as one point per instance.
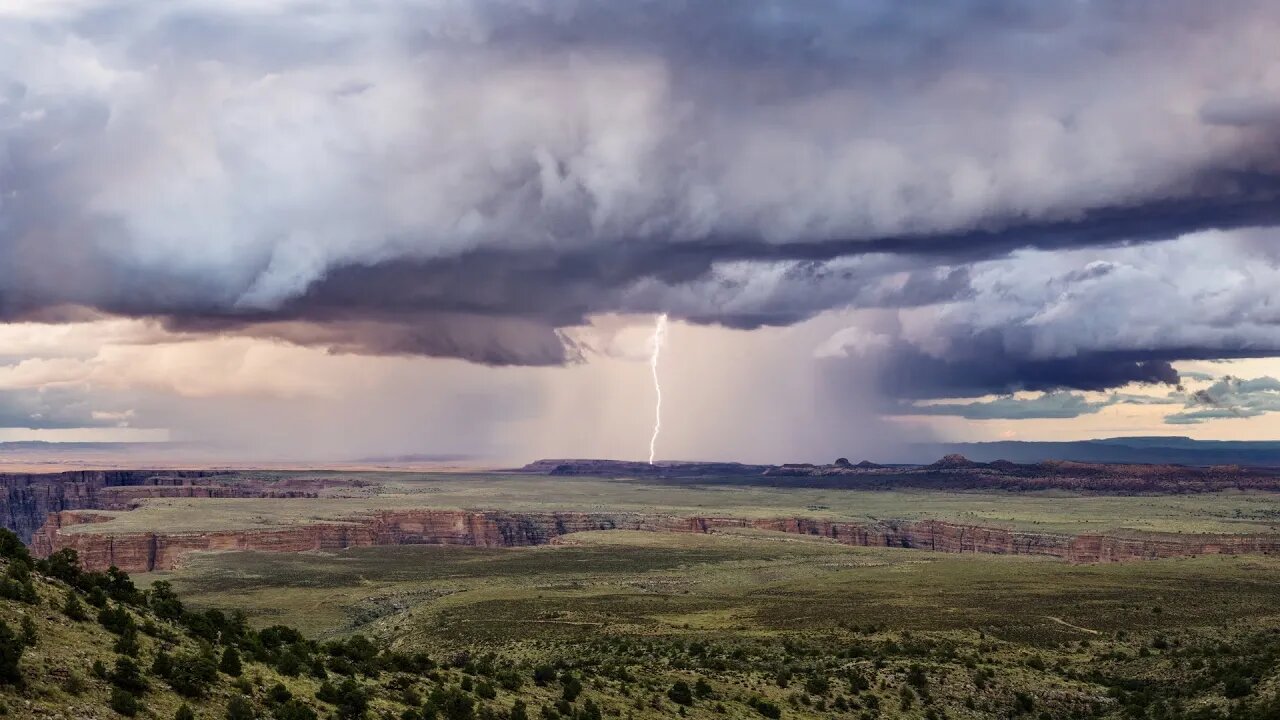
(63, 565)
(816, 685)
(451, 704)
(294, 710)
(127, 676)
(13, 549)
(571, 687)
(184, 713)
(116, 619)
(73, 608)
(164, 602)
(125, 702)
(11, 649)
(543, 675)
(680, 693)
(127, 643)
(240, 709)
(230, 663)
(29, 635)
(765, 708)
(192, 673)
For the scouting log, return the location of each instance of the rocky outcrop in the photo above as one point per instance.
(29, 498)
(142, 552)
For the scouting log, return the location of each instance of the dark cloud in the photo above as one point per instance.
(469, 179)
(911, 373)
(1084, 320)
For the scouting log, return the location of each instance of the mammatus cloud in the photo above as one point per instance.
(468, 179)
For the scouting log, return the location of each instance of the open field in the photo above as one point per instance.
(740, 581)
(1222, 512)
(742, 608)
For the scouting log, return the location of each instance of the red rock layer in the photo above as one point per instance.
(142, 552)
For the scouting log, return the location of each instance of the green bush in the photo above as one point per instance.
(125, 702)
(73, 608)
(230, 663)
(680, 693)
(240, 709)
(11, 649)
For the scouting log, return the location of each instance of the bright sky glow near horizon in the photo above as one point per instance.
(338, 230)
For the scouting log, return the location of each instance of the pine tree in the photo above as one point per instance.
(73, 608)
(230, 662)
(29, 636)
(11, 649)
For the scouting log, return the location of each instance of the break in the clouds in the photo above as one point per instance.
(469, 179)
(1084, 319)
(1230, 397)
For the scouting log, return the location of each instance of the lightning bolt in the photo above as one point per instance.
(659, 335)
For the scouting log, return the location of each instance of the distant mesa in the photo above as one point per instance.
(954, 461)
(952, 472)
(635, 468)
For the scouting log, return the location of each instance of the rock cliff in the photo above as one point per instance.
(142, 552)
(29, 498)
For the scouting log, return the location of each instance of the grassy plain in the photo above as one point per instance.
(1063, 637)
(770, 624)
(1226, 512)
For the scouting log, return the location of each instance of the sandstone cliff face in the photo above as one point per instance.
(29, 498)
(143, 552)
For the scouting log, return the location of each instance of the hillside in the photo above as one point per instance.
(92, 645)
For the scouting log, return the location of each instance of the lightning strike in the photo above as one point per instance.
(659, 335)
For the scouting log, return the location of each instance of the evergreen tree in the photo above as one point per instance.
(680, 693)
(125, 702)
(73, 608)
(11, 649)
(230, 662)
(240, 709)
(29, 635)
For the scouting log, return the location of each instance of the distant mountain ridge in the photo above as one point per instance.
(1142, 449)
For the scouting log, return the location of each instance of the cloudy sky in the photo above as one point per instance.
(337, 229)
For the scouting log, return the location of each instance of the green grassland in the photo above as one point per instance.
(737, 624)
(967, 636)
(1225, 512)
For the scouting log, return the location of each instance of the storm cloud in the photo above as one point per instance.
(1085, 319)
(470, 179)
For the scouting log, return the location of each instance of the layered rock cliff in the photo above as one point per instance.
(142, 552)
(29, 498)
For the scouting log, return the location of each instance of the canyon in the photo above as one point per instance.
(148, 551)
(58, 510)
(29, 498)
